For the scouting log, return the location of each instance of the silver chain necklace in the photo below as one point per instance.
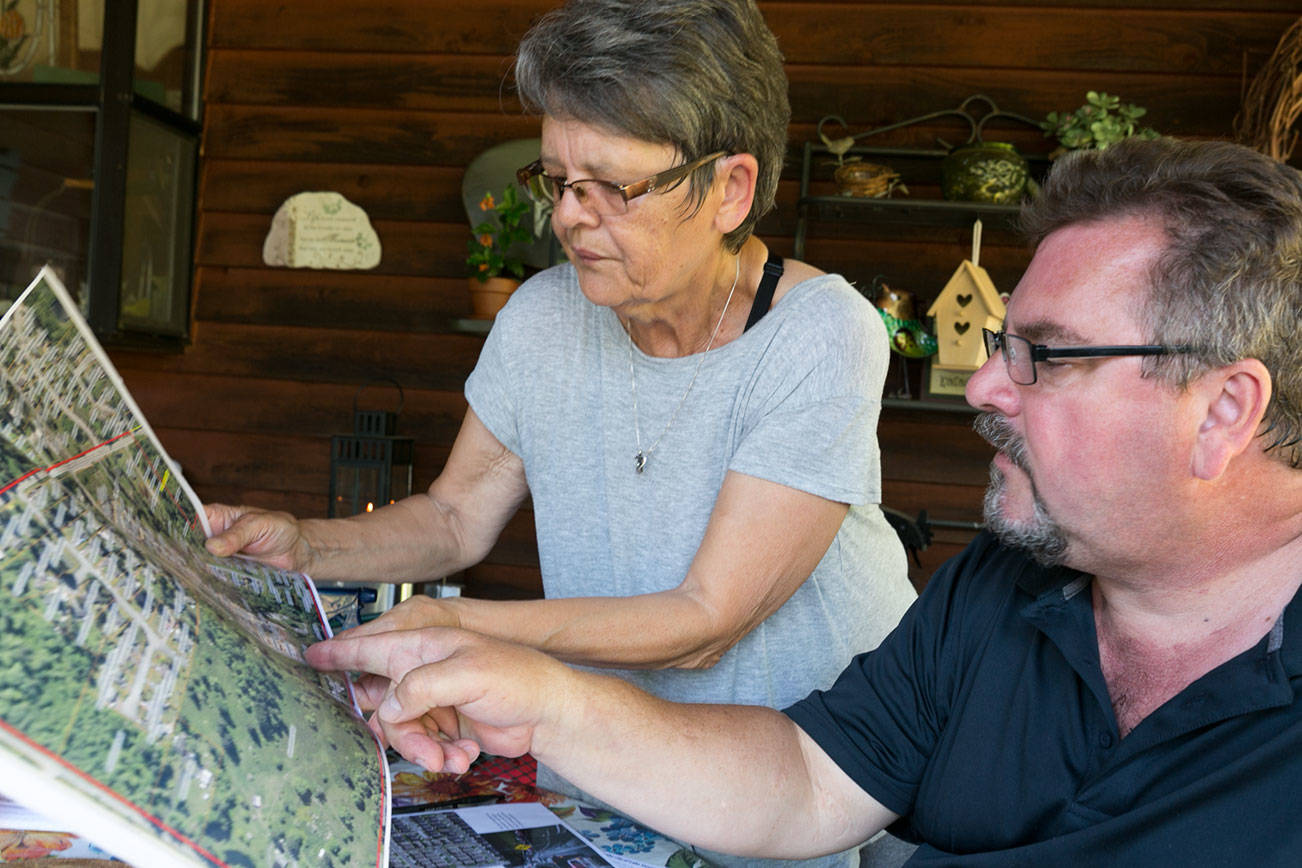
(642, 456)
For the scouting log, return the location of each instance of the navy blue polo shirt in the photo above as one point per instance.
(984, 721)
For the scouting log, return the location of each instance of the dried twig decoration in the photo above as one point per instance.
(1273, 102)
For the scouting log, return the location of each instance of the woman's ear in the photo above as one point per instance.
(1234, 401)
(737, 174)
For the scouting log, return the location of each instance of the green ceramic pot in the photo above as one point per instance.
(984, 172)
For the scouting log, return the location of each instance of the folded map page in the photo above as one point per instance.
(154, 698)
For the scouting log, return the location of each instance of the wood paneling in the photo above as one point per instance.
(1181, 42)
(332, 299)
(340, 355)
(387, 192)
(353, 135)
(415, 82)
(386, 102)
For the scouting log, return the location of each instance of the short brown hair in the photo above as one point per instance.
(700, 75)
(1230, 279)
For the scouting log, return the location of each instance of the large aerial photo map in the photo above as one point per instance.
(158, 689)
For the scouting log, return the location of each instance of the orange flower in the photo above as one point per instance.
(487, 203)
(483, 266)
(486, 239)
(12, 25)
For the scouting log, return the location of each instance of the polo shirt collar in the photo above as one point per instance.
(1061, 608)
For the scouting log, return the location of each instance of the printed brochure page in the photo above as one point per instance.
(506, 835)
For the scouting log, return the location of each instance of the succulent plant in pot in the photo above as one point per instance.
(1103, 120)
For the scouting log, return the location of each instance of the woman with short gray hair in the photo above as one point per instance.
(693, 417)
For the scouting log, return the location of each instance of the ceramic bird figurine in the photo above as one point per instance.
(909, 337)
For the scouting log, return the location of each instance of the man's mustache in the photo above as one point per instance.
(995, 430)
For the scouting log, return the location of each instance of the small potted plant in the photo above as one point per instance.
(496, 258)
(1103, 120)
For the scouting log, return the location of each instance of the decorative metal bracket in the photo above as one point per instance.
(976, 123)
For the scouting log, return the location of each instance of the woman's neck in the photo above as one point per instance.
(684, 324)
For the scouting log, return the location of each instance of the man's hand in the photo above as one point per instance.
(272, 538)
(441, 695)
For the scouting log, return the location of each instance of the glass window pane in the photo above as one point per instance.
(59, 42)
(165, 53)
(46, 159)
(47, 41)
(156, 234)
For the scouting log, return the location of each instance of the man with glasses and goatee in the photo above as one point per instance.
(1110, 675)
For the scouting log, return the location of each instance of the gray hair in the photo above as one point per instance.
(1230, 280)
(700, 75)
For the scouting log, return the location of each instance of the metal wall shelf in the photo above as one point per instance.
(918, 167)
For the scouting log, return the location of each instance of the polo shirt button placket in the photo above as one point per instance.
(1105, 740)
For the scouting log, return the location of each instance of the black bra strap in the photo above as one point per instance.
(764, 294)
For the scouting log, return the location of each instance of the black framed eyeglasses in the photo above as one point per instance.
(604, 197)
(1020, 355)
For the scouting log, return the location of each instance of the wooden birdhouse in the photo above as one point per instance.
(967, 304)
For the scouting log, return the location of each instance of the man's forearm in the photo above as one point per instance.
(730, 778)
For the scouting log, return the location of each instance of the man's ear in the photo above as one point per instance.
(738, 173)
(1233, 402)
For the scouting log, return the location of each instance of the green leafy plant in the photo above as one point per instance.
(509, 223)
(1103, 120)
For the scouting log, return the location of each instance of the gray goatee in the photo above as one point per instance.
(1040, 536)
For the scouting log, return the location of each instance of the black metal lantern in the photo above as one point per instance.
(370, 467)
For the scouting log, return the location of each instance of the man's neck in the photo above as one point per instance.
(1157, 635)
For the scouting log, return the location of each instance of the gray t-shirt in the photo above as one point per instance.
(794, 400)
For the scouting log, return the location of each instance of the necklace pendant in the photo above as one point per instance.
(639, 461)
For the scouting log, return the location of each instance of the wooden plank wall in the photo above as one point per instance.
(387, 102)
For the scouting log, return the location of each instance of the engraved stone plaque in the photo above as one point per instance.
(321, 230)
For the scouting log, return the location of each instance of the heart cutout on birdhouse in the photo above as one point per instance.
(961, 327)
(963, 299)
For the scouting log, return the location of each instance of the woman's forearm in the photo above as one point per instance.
(665, 630)
(408, 541)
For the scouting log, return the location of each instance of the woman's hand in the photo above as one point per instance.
(440, 696)
(272, 538)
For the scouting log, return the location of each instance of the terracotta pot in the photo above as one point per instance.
(487, 297)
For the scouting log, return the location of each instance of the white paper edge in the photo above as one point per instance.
(387, 806)
(46, 791)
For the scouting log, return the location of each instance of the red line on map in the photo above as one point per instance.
(66, 460)
(20, 479)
